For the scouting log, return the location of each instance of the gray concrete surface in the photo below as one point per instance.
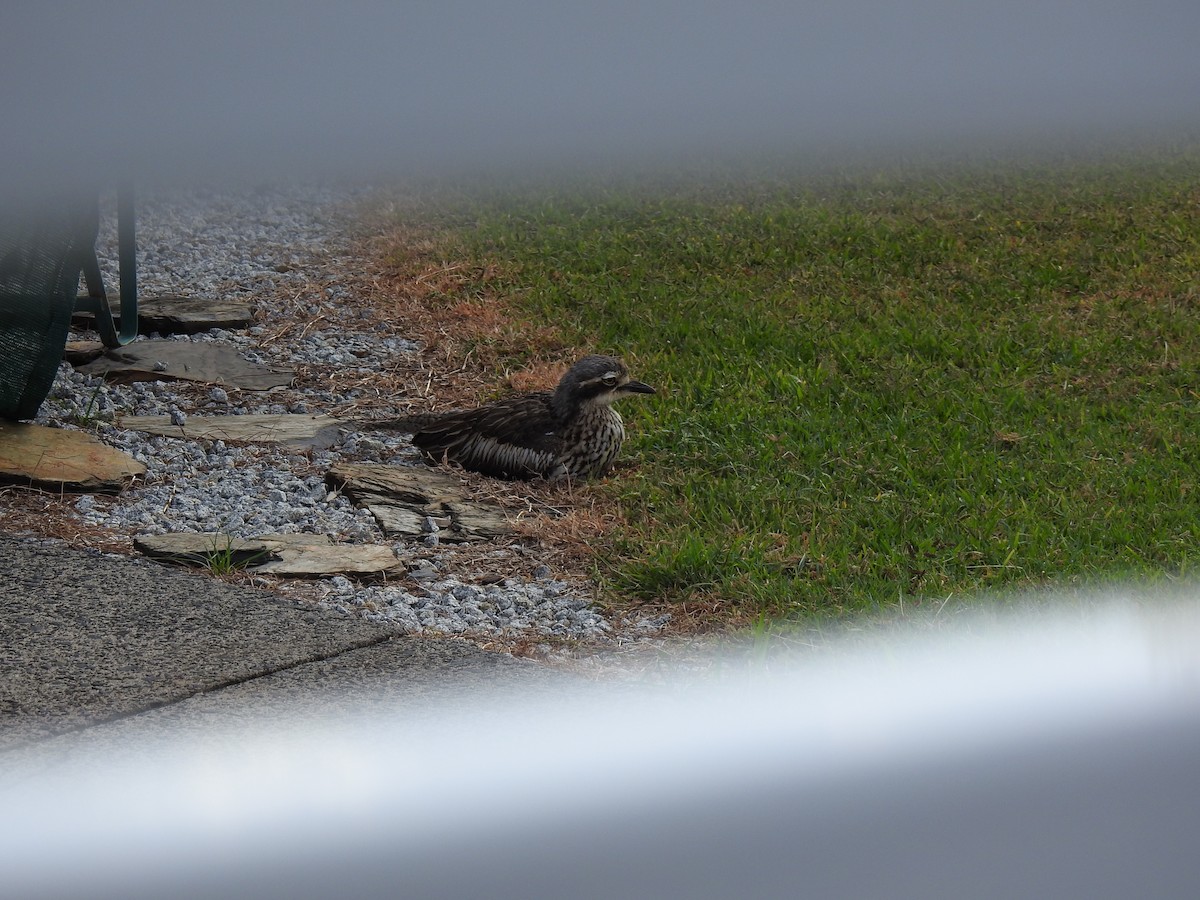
(113, 645)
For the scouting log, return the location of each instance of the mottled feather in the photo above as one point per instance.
(570, 431)
(513, 438)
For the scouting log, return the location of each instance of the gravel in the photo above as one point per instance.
(283, 248)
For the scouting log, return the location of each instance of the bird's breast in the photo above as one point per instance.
(591, 442)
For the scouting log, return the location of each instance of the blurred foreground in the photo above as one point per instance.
(1029, 754)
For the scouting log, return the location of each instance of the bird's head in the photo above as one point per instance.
(597, 379)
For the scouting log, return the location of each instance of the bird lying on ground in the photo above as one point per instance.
(570, 432)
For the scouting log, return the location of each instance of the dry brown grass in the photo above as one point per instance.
(475, 343)
(36, 512)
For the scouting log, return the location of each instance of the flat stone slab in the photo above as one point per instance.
(207, 363)
(258, 428)
(401, 499)
(180, 315)
(290, 555)
(77, 353)
(59, 459)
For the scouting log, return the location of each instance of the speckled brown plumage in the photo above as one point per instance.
(572, 431)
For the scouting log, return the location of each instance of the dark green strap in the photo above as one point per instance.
(96, 301)
(127, 259)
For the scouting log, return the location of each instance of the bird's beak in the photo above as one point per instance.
(637, 387)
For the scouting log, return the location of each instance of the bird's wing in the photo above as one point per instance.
(515, 438)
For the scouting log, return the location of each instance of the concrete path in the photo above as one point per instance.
(100, 643)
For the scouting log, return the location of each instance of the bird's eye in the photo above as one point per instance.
(609, 379)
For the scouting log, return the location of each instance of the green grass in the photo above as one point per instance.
(882, 386)
(223, 560)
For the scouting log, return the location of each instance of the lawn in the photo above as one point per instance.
(878, 385)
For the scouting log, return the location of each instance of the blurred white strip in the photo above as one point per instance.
(1043, 756)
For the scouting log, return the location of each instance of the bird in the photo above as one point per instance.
(570, 432)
